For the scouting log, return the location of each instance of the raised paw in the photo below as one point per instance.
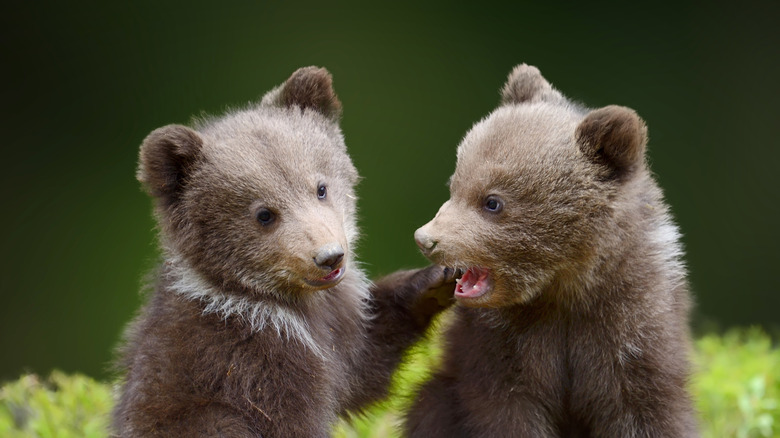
(437, 282)
(436, 287)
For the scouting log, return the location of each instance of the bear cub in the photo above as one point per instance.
(261, 322)
(572, 311)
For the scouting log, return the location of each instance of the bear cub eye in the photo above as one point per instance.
(493, 204)
(322, 191)
(265, 216)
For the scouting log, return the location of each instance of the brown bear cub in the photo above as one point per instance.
(572, 315)
(261, 322)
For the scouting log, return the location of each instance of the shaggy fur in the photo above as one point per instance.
(572, 317)
(261, 322)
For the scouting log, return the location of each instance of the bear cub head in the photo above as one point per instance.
(541, 191)
(259, 202)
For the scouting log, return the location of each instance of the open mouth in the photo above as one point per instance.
(474, 283)
(329, 280)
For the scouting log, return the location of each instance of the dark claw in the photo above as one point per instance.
(451, 274)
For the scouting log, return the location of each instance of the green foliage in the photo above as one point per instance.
(61, 406)
(384, 420)
(736, 387)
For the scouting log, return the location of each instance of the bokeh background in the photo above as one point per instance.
(84, 82)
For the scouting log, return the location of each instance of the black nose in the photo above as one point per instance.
(329, 256)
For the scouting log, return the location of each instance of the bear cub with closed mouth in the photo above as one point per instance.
(261, 322)
(573, 308)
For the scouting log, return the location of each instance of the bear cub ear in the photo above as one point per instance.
(526, 84)
(614, 135)
(166, 157)
(307, 88)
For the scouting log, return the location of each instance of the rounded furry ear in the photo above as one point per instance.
(166, 156)
(526, 84)
(614, 135)
(307, 88)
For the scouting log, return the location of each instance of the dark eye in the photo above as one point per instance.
(493, 204)
(322, 191)
(265, 216)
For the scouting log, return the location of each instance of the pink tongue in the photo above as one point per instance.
(332, 275)
(473, 283)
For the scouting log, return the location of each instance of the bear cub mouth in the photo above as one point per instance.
(474, 283)
(329, 280)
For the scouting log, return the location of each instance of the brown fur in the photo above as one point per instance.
(582, 331)
(311, 91)
(242, 337)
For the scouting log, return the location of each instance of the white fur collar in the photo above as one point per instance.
(259, 314)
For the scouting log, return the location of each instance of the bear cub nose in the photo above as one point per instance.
(329, 256)
(424, 241)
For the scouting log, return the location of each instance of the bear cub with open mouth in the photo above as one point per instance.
(573, 308)
(261, 322)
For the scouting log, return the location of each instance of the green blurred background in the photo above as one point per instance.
(84, 83)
